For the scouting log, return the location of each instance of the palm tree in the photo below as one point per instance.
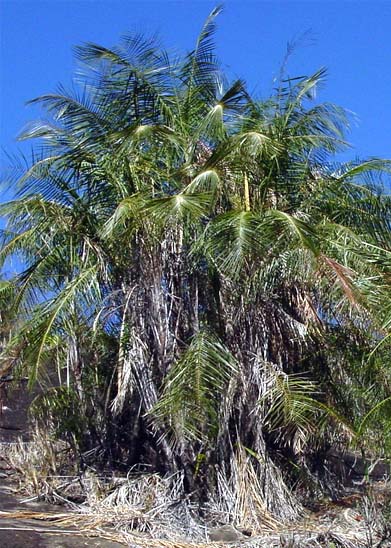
(199, 277)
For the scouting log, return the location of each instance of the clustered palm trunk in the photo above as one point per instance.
(199, 278)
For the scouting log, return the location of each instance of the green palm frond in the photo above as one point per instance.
(47, 319)
(290, 405)
(201, 71)
(179, 207)
(7, 290)
(302, 230)
(258, 144)
(193, 388)
(234, 238)
(237, 238)
(126, 217)
(137, 78)
(375, 414)
(207, 181)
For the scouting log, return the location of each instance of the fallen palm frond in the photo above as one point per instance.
(148, 511)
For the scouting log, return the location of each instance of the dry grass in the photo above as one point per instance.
(38, 463)
(148, 511)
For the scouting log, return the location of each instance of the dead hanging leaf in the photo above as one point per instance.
(344, 277)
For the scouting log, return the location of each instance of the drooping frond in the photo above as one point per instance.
(290, 405)
(193, 387)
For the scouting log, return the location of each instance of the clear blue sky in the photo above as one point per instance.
(352, 39)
